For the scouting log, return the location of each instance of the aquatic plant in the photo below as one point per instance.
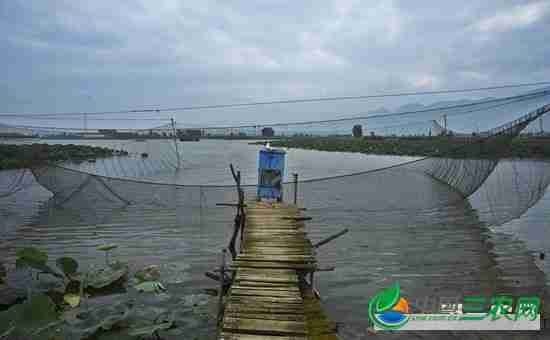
(33, 319)
(104, 277)
(2, 273)
(68, 266)
(150, 286)
(107, 248)
(148, 273)
(84, 304)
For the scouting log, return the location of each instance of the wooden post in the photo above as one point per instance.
(220, 293)
(176, 143)
(295, 188)
(330, 238)
(240, 216)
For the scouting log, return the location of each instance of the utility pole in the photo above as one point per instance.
(445, 123)
(85, 123)
(541, 127)
(86, 115)
(175, 142)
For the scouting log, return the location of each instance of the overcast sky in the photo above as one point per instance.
(71, 55)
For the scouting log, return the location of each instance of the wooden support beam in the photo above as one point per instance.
(298, 218)
(237, 205)
(330, 238)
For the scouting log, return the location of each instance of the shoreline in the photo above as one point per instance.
(19, 156)
(449, 147)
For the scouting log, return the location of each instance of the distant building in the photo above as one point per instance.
(268, 132)
(357, 131)
(108, 132)
(10, 131)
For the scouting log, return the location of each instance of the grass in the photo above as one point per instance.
(426, 146)
(23, 156)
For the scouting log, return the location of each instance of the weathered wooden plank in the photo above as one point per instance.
(247, 302)
(265, 284)
(274, 326)
(274, 225)
(265, 300)
(261, 277)
(277, 258)
(264, 308)
(262, 300)
(268, 264)
(267, 293)
(299, 235)
(291, 288)
(271, 298)
(241, 336)
(252, 248)
(297, 243)
(267, 316)
(269, 252)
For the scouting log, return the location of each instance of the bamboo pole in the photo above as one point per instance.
(295, 188)
(220, 293)
(330, 238)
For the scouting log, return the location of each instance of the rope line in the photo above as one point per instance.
(290, 101)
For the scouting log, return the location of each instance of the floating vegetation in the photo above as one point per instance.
(67, 302)
(105, 277)
(424, 146)
(149, 273)
(150, 287)
(33, 319)
(72, 300)
(107, 248)
(14, 156)
(68, 266)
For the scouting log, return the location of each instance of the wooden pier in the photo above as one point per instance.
(271, 295)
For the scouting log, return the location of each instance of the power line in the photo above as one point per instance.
(89, 119)
(503, 101)
(286, 101)
(386, 115)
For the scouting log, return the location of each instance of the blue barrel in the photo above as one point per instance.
(271, 172)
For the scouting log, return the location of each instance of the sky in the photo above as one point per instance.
(76, 56)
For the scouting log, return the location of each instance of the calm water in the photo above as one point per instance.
(443, 251)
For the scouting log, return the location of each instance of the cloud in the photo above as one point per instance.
(513, 18)
(129, 53)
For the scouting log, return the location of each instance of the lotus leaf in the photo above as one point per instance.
(107, 247)
(31, 319)
(149, 273)
(2, 273)
(150, 287)
(82, 324)
(72, 300)
(8, 295)
(105, 277)
(34, 258)
(31, 254)
(68, 265)
(150, 330)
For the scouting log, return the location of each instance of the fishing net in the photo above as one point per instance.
(411, 184)
(155, 172)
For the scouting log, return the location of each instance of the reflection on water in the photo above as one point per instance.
(441, 251)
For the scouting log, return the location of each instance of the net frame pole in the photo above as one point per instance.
(295, 187)
(178, 165)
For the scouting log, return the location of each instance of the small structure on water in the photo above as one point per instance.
(271, 170)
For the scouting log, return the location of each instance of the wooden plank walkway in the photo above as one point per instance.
(269, 297)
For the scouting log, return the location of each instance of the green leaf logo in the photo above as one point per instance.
(387, 298)
(384, 302)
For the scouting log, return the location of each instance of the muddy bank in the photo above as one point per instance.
(25, 155)
(523, 147)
